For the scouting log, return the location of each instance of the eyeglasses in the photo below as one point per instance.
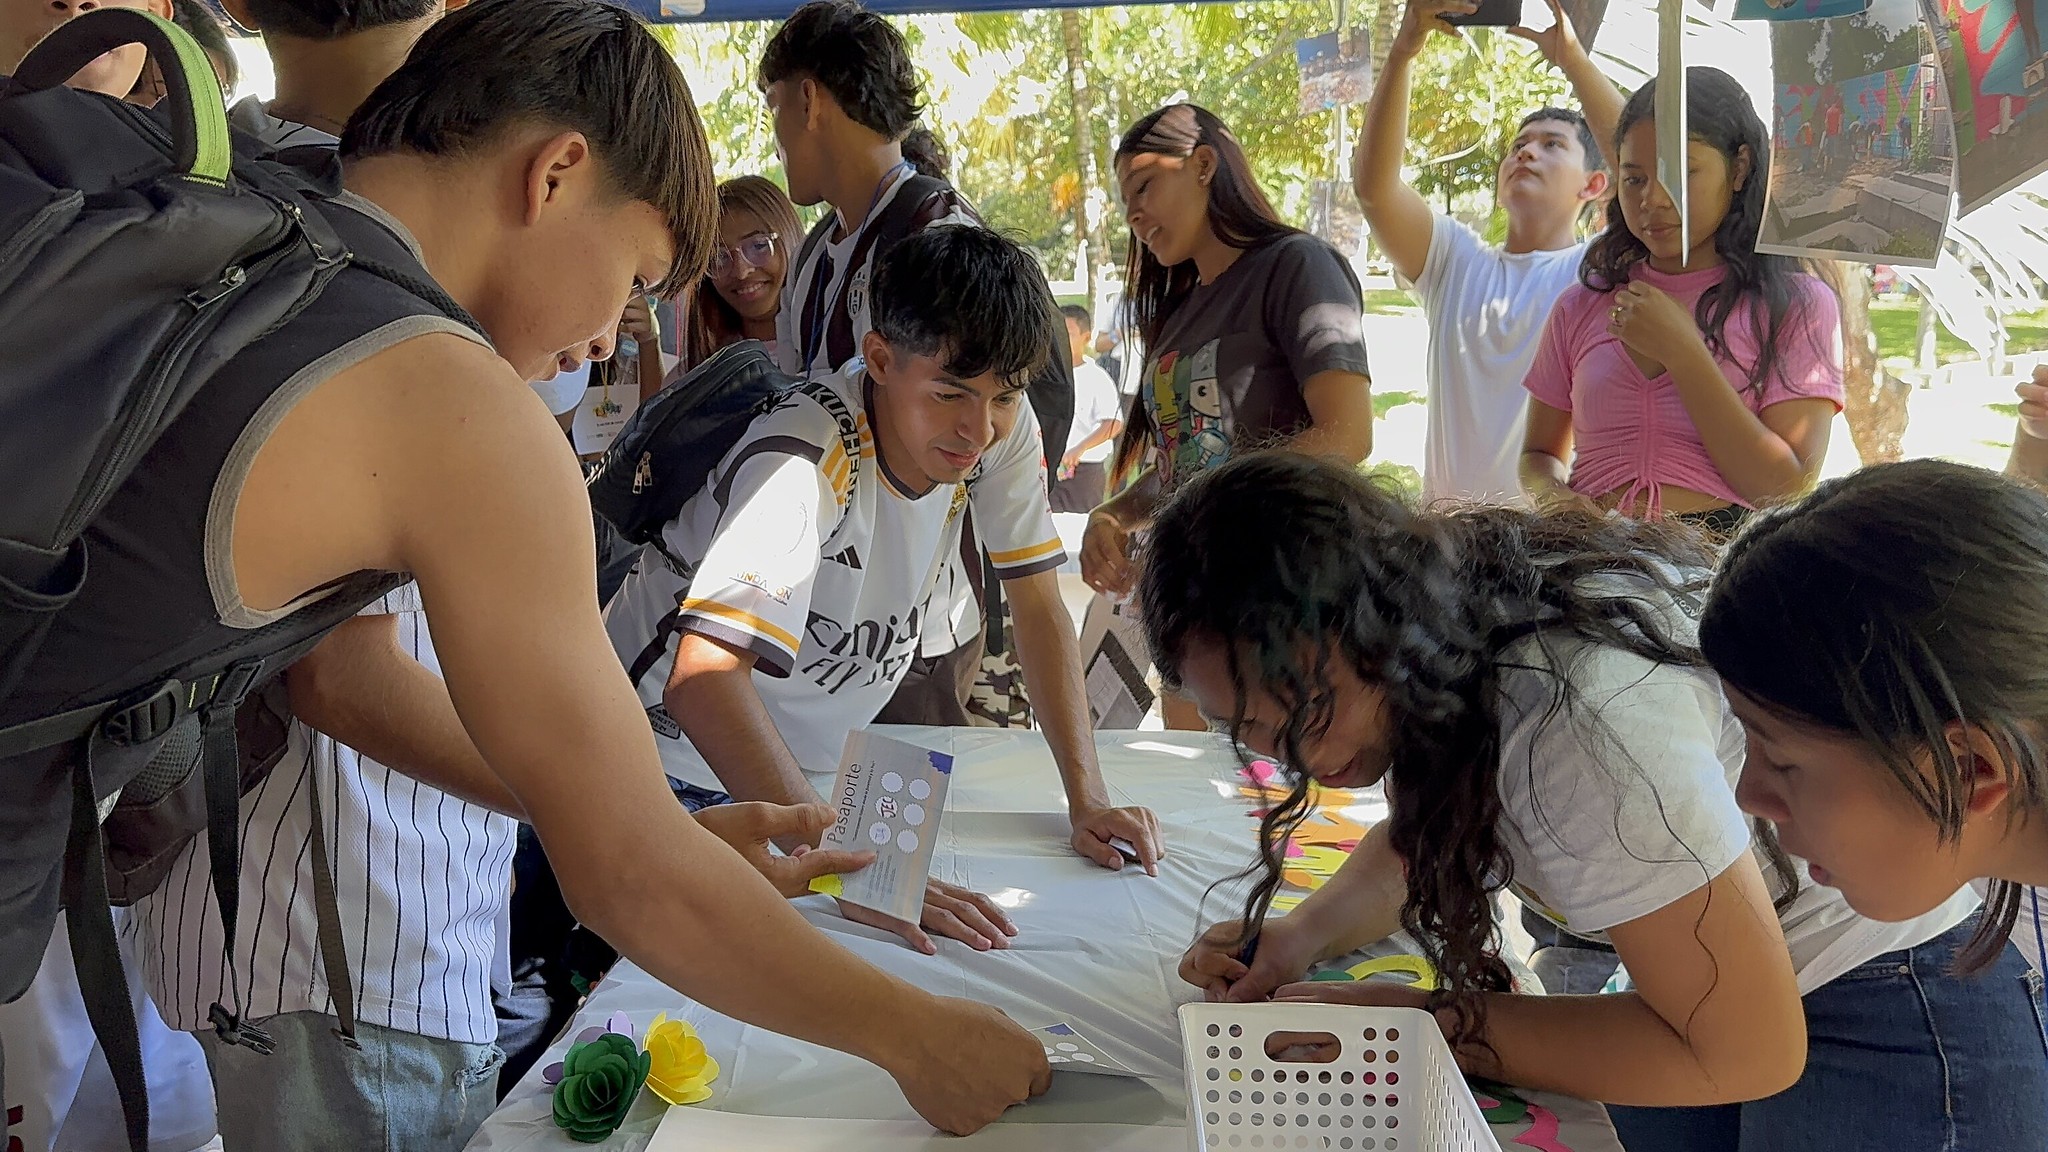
(755, 250)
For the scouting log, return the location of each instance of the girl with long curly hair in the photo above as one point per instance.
(1698, 382)
(1530, 692)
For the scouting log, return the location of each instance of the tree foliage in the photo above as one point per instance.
(998, 98)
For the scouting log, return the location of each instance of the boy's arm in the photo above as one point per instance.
(1051, 658)
(504, 559)
(1400, 218)
(1600, 100)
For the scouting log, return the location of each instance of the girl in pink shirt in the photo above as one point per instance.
(1695, 384)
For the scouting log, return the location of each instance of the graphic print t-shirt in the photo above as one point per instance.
(812, 557)
(1230, 362)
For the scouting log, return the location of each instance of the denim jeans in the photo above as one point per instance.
(1902, 1056)
(400, 1092)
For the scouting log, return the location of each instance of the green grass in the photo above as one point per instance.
(1897, 324)
(1386, 300)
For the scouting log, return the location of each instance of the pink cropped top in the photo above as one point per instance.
(1631, 432)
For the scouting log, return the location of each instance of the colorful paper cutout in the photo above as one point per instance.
(600, 1080)
(1301, 879)
(1317, 860)
(830, 885)
(680, 1070)
(1423, 972)
(1544, 1132)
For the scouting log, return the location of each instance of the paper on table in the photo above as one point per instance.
(1671, 116)
(888, 798)
(1069, 1051)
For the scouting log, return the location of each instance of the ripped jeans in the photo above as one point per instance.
(401, 1092)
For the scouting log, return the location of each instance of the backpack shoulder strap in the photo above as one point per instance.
(849, 439)
(919, 202)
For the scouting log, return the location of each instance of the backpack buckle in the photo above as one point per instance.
(232, 1030)
(146, 719)
(234, 684)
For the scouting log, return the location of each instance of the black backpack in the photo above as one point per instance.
(140, 251)
(668, 449)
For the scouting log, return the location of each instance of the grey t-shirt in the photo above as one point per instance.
(1227, 369)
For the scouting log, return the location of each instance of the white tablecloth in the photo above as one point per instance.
(1095, 948)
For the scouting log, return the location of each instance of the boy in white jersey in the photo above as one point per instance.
(813, 549)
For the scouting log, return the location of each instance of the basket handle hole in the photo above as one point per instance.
(1303, 1047)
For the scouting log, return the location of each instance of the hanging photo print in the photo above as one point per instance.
(1333, 74)
(1795, 10)
(1586, 16)
(1672, 133)
(1861, 165)
(1997, 73)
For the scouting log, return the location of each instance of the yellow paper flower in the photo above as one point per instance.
(682, 1071)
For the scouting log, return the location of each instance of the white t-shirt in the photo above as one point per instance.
(1095, 401)
(1659, 768)
(819, 563)
(1486, 310)
(422, 881)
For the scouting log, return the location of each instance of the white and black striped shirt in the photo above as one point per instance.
(422, 881)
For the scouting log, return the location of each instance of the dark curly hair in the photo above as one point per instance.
(859, 57)
(1719, 114)
(1887, 605)
(1301, 562)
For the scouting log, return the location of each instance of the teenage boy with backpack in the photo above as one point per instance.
(785, 602)
(376, 431)
(842, 94)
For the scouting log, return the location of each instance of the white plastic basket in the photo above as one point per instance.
(1394, 1086)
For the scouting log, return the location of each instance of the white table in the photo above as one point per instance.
(1094, 948)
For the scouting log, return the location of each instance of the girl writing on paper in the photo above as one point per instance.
(1694, 381)
(1530, 692)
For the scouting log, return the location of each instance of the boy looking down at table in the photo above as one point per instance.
(788, 598)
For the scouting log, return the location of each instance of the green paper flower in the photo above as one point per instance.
(600, 1081)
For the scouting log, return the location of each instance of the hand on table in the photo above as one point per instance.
(951, 911)
(1094, 828)
(962, 1066)
(1474, 1058)
(1211, 964)
(749, 828)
